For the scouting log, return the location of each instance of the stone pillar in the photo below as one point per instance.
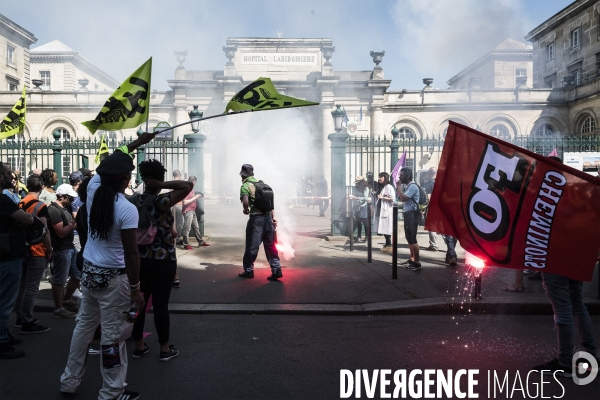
(181, 116)
(338, 176)
(327, 124)
(57, 157)
(376, 121)
(196, 167)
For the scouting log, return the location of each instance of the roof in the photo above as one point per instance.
(53, 46)
(17, 29)
(509, 47)
(57, 49)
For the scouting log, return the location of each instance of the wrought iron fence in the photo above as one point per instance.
(364, 154)
(27, 155)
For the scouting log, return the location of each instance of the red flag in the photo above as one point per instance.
(514, 208)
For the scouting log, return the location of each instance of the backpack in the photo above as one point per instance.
(146, 231)
(36, 232)
(263, 197)
(423, 202)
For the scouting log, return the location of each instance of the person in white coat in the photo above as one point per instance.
(384, 207)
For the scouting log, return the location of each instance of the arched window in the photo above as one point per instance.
(500, 131)
(406, 133)
(64, 134)
(588, 125)
(544, 131)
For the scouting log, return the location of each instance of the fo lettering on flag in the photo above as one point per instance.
(261, 95)
(513, 208)
(128, 106)
(14, 122)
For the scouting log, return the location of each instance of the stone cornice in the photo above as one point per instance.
(18, 30)
(77, 59)
(557, 19)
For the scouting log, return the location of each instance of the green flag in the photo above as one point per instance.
(262, 95)
(102, 152)
(14, 122)
(128, 106)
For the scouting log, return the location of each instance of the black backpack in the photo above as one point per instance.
(423, 199)
(263, 197)
(36, 232)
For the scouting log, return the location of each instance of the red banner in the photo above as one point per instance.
(515, 209)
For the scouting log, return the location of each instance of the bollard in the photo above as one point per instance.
(477, 287)
(395, 244)
(351, 222)
(369, 243)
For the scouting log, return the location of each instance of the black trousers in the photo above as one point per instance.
(156, 279)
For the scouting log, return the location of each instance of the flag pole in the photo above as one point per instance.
(199, 119)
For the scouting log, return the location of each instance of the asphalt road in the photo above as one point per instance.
(300, 357)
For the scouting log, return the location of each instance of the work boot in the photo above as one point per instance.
(246, 274)
(275, 275)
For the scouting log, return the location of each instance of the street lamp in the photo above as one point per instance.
(338, 117)
(195, 115)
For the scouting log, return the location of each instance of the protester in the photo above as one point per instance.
(177, 212)
(190, 222)
(75, 180)
(86, 173)
(20, 187)
(361, 194)
(371, 184)
(566, 297)
(412, 216)
(50, 179)
(384, 210)
(158, 261)
(110, 280)
(259, 229)
(35, 262)
(12, 253)
(12, 191)
(322, 190)
(64, 255)
(428, 187)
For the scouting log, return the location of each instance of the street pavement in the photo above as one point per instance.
(239, 351)
(325, 277)
(300, 357)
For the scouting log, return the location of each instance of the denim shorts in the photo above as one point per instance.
(64, 265)
(411, 225)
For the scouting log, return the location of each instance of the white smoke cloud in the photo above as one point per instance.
(278, 144)
(439, 38)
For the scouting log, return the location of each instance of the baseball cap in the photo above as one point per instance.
(86, 172)
(117, 165)
(247, 170)
(76, 176)
(66, 189)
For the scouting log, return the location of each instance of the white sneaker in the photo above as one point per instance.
(77, 294)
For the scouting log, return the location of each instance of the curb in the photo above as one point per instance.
(431, 306)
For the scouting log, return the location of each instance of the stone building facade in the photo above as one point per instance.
(14, 55)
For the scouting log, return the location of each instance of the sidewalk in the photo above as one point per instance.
(325, 278)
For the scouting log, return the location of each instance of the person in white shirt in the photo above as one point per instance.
(110, 280)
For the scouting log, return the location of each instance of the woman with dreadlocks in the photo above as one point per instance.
(158, 261)
(110, 280)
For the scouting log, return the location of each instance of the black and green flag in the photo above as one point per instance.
(128, 106)
(261, 95)
(14, 122)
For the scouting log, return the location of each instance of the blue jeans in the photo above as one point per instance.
(450, 243)
(33, 269)
(64, 265)
(260, 229)
(566, 296)
(10, 276)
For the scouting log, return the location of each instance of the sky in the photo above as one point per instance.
(421, 38)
